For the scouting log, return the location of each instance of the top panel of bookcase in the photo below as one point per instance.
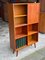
(23, 3)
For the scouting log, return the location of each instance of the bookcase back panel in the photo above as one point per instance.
(20, 20)
(21, 30)
(33, 13)
(18, 31)
(20, 10)
(33, 27)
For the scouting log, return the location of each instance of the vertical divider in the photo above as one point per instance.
(27, 24)
(14, 32)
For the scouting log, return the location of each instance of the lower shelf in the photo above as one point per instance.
(21, 47)
(32, 42)
(32, 32)
(20, 36)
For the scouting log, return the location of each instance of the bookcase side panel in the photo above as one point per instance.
(11, 25)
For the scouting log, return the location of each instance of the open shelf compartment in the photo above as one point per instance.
(21, 42)
(32, 39)
(20, 32)
(32, 29)
(20, 21)
(20, 10)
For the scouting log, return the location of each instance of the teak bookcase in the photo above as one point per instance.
(23, 24)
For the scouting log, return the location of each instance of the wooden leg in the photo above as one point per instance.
(3, 18)
(31, 44)
(16, 53)
(35, 45)
(13, 51)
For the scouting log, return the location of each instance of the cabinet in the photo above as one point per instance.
(23, 24)
(42, 17)
(42, 22)
(42, 3)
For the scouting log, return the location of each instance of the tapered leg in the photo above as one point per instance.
(35, 45)
(16, 53)
(13, 51)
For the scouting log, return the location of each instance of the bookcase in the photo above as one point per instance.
(23, 24)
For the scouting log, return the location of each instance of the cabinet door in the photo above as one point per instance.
(33, 13)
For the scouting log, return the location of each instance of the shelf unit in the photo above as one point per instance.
(23, 24)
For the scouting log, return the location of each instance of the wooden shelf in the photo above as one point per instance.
(20, 25)
(32, 42)
(32, 32)
(20, 16)
(20, 36)
(20, 4)
(21, 47)
(33, 23)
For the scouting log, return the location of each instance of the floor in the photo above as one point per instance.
(5, 50)
(37, 55)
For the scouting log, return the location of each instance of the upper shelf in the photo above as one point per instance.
(32, 32)
(20, 25)
(24, 3)
(20, 16)
(19, 4)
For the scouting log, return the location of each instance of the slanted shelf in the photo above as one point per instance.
(32, 29)
(20, 21)
(32, 39)
(20, 32)
(20, 10)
